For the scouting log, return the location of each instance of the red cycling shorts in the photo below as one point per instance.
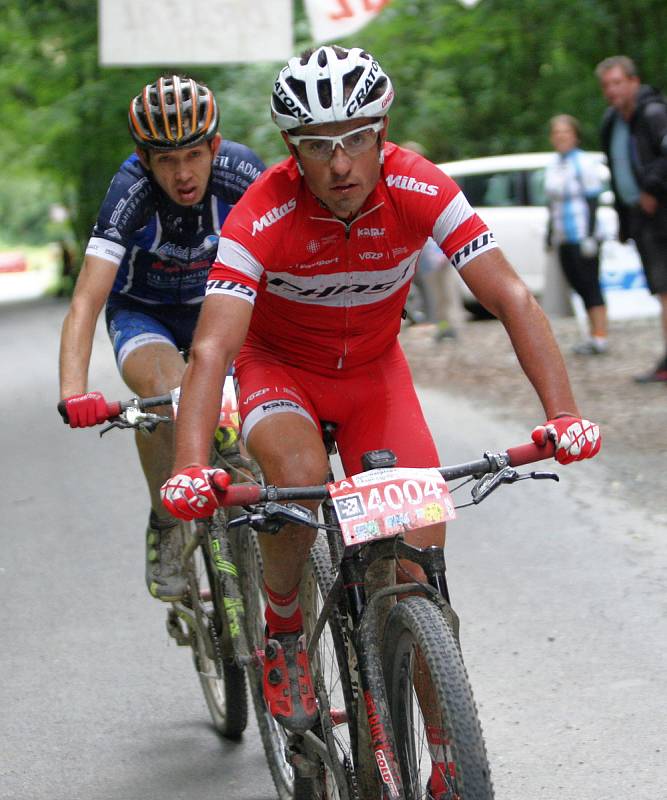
(374, 406)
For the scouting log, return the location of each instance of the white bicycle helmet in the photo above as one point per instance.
(330, 84)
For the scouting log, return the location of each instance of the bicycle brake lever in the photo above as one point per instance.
(291, 513)
(542, 476)
(491, 481)
(115, 424)
(243, 519)
(274, 515)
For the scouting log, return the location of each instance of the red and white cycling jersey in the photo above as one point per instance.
(329, 294)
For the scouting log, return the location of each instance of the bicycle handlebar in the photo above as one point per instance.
(529, 453)
(244, 494)
(116, 407)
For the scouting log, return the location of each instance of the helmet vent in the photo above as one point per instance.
(324, 93)
(350, 81)
(377, 91)
(299, 89)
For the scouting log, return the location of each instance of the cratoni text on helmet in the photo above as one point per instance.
(364, 90)
(304, 118)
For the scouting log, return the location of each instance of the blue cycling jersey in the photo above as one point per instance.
(164, 250)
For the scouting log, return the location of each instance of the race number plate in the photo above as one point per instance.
(382, 503)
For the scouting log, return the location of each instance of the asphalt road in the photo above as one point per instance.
(560, 589)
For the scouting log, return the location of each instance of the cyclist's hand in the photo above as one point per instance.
(85, 410)
(574, 438)
(190, 494)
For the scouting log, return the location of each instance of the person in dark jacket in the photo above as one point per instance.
(634, 138)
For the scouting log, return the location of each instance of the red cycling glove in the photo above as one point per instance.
(190, 495)
(574, 438)
(85, 410)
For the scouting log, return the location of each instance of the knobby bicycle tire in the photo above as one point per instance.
(249, 562)
(417, 637)
(222, 680)
(333, 684)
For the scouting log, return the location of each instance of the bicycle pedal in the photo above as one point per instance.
(176, 630)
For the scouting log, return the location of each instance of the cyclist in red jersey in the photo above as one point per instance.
(306, 294)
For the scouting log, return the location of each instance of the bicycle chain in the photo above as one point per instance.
(215, 640)
(195, 603)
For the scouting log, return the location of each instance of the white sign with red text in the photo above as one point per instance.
(384, 503)
(331, 20)
(194, 32)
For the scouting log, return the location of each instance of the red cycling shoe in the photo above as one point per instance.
(288, 686)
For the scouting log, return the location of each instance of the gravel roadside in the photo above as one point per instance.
(480, 365)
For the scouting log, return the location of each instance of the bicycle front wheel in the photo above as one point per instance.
(222, 680)
(429, 692)
(274, 737)
(336, 692)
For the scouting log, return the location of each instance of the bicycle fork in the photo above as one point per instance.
(368, 616)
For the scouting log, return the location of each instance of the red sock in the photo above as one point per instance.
(282, 613)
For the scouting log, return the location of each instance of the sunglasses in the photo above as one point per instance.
(321, 148)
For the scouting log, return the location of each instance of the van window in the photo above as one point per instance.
(492, 188)
(535, 184)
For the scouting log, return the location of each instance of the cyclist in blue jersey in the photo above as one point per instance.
(148, 259)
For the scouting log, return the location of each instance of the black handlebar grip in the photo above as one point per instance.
(62, 410)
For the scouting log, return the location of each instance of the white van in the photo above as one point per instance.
(508, 194)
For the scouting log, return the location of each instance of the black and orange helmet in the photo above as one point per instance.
(173, 112)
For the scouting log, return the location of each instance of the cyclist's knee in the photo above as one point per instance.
(271, 444)
(154, 369)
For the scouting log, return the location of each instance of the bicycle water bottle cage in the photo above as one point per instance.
(378, 459)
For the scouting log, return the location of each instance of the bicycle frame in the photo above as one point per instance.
(365, 615)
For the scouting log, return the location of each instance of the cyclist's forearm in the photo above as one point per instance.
(541, 359)
(76, 344)
(221, 330)
(198, 410)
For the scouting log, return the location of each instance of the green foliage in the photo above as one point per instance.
(486, 80)
(469, 82)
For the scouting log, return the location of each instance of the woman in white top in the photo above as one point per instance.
(572, 184)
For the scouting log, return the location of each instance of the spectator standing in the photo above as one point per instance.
(634, 137)
(572, 184)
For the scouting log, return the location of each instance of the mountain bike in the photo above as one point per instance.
(385, 658)
(221, 616)
(368, 653)
(205, 619)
